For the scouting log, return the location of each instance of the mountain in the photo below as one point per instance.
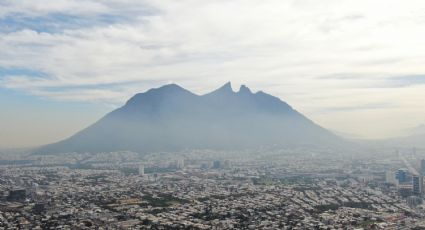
(409, 138)
(416, 131)
(171, 118)
(412, 141)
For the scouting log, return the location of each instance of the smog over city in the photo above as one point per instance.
(222, 114)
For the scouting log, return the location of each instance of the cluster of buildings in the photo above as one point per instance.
(209, 190)
(409, 182)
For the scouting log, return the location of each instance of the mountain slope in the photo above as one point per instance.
(171, 118)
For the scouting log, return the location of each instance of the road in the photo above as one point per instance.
(408, 165)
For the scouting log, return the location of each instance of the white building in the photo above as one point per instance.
(141, 170)
(180, 163)
(390, 177)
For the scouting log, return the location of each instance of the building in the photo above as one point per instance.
(205, 166)
(390, 177)
(405, 190)
(227, 164)
(17, 195)
(39, 208)
(423, 167)
(180, 163)
(402, 175)
(216, 164)
(417, 184)
(141, 170)
(413, 201)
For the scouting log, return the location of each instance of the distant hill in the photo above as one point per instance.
(412, 141)
(415, 131)
(171, 118)
(409, 138)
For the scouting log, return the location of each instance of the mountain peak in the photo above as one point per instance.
(168, 87)
(152, 95)
(244, 90)
(225, 89)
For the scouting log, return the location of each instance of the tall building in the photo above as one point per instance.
(423, 167)
(180, 163)
(227, 164)
(401, 175)
(390, 177)
(141, 170)
(417, 184)
(216, 164)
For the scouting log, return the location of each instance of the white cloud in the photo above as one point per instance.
(288, 48)
(40, 7)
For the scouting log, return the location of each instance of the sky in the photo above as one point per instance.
(355, 67)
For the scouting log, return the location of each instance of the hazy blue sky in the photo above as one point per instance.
(352, 66)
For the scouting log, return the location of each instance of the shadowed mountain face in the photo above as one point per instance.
(171, 118)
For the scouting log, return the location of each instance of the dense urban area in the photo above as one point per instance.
(263, 189)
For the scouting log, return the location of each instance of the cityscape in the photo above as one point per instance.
(262, 189)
